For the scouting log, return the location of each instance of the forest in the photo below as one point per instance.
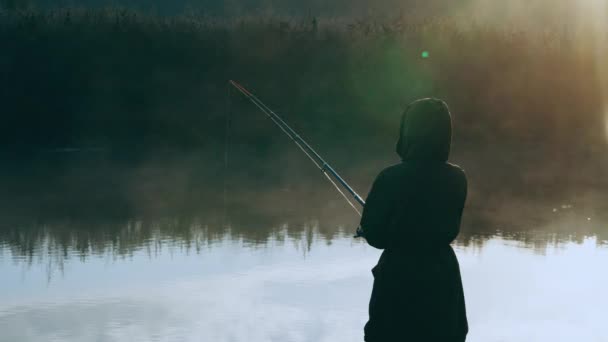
(136, 109)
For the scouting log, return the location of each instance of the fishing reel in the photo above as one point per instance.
(359, 233)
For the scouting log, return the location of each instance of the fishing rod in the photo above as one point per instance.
(327, 170)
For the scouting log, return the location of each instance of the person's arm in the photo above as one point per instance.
(462, 191)
(376, 213)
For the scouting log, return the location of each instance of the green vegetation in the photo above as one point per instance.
(13, 5)
(123, 80)
(528, 105)
(114, 77)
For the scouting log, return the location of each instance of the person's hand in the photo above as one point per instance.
(359, 233)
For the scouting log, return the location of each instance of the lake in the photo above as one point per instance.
(150, 257)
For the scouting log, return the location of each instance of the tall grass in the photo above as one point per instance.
(66, 72)
(527, 103)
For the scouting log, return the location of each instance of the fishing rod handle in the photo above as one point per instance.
(359, 233)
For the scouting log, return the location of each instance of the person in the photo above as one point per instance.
(413, 213)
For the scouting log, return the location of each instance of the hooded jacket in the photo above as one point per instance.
(413, 212)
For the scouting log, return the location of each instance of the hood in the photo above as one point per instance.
(426, 131)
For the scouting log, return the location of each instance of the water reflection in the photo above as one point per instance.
(124, 253)
(101, 204)
(288, 290)
(55, 242)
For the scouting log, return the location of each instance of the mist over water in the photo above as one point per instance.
(142, 200)
(86, 206)
(112, 245)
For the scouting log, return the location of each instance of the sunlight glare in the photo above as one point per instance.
(606, 119)
(596, 12)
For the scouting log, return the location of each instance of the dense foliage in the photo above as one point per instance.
(528, 108)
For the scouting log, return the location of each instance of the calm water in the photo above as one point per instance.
(298, 288)
(92, 253)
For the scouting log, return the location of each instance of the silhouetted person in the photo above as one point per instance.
(413, 212)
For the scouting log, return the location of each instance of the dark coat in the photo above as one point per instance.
(413, 212)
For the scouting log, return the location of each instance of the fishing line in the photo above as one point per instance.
(228, 117)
